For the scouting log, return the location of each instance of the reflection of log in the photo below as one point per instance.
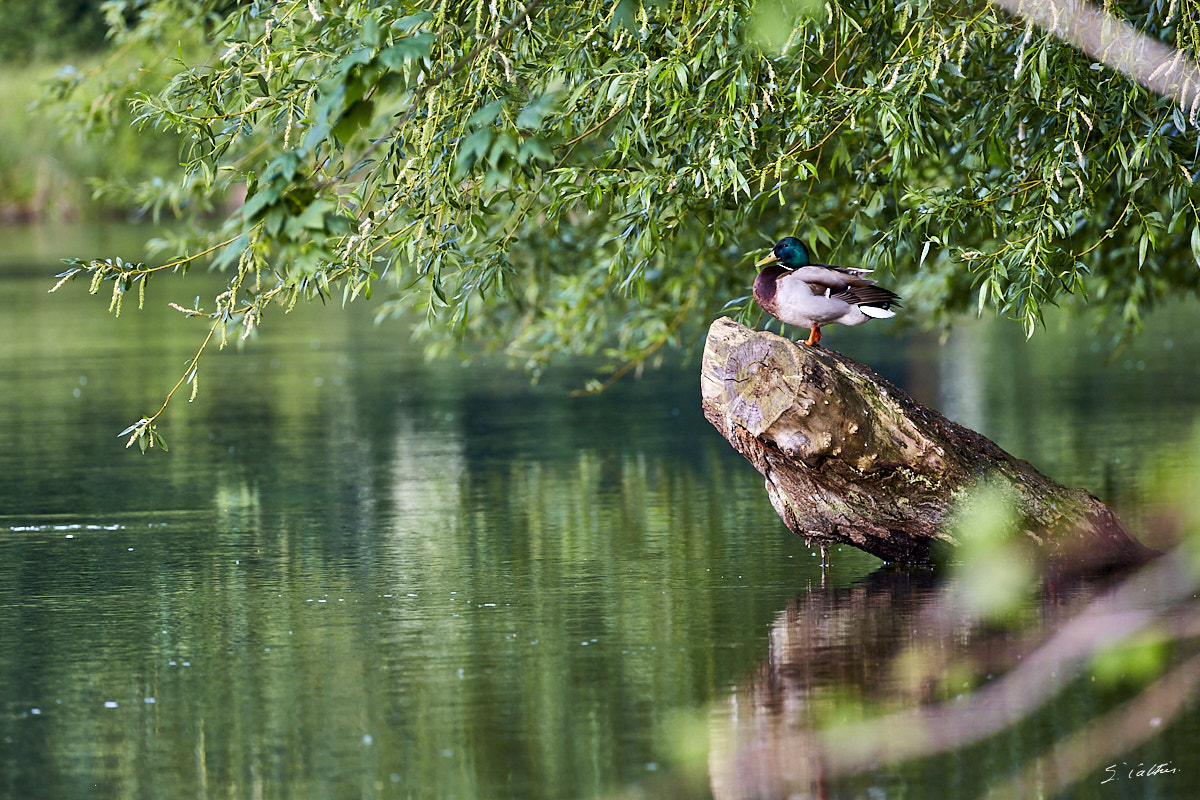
(849, 458)
(848, 636)
(840, 641)
(934, 681)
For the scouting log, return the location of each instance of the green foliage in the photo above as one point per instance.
(558, 176)
(49, 28)
(50, 168)
(995, 573)
(1137, 660)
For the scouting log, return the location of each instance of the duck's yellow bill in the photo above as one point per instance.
(767, 259)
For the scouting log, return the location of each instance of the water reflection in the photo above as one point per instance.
(891, 683)
(359, 574)
(1086, 410)
(512, 645)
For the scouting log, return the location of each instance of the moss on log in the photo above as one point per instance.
(850, 459)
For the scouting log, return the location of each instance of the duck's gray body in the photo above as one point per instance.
(820, 295)
(807, 295)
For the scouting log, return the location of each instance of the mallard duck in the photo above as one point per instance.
(807, 295)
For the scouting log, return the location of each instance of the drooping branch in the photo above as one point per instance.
(849, 458)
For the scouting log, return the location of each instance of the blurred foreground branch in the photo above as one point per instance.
(901, 638)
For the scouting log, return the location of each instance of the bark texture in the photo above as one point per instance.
(850, 459)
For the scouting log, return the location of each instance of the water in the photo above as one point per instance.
(358, 574)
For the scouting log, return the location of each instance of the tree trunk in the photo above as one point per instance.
(850, 459)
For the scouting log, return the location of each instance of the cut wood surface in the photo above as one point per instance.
(850, 459)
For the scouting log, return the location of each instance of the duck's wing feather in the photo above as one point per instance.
(825, 277)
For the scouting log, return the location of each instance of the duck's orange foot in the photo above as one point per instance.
(814, 337)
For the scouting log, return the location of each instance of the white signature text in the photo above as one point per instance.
(1142, 770)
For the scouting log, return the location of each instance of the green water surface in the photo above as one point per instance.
(360, 574)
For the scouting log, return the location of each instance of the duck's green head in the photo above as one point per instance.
(789, 252)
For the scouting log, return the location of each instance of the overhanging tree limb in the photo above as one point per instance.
(1164, 70)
